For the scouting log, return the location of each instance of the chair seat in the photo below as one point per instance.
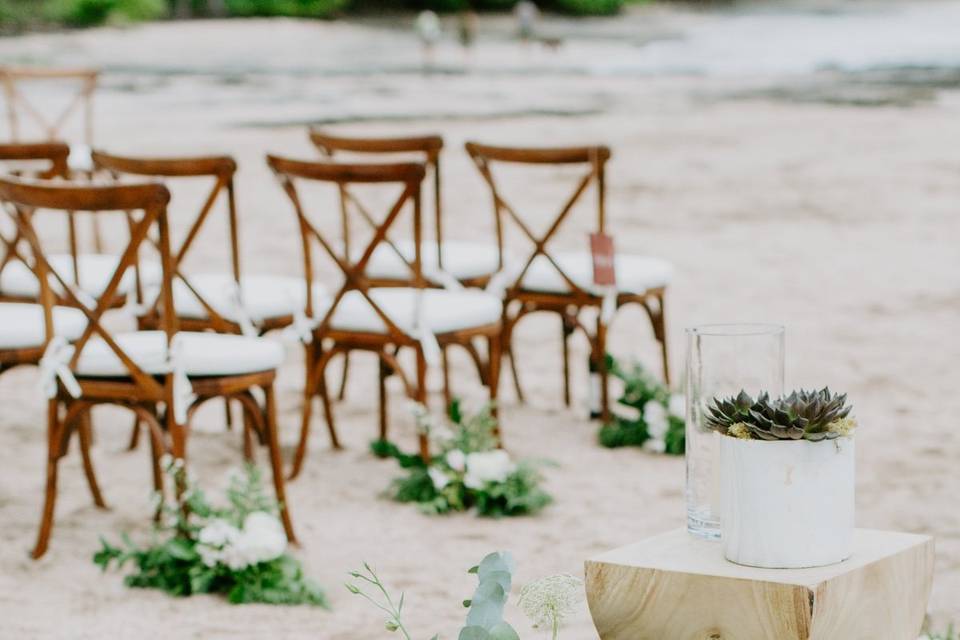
(21, 324)
(462, 260)
(264, 296)
(442, 311)
(635, 274)
(96, 269)
(203, 353)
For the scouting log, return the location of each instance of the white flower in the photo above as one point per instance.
(441, 434)
(625, 412)
(678, 406)
(457, 460)
(218, 533)
(655, 415)
(262, 539)
(655, 445)
(438, 478)
(487, 466)
(548, 601)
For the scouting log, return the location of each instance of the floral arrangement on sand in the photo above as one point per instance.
(547, 602)
(239, 550)
(802, 415)
(468, 471)
(646, 414)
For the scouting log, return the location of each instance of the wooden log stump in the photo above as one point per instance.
(677, 587)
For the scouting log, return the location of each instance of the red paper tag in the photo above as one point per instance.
(601, 248)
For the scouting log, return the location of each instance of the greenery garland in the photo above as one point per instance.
(468, 471)
(239, 551)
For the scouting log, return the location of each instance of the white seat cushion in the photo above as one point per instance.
(96, 269)
(204, 354)
(263, 296)
(21, 324)
(635, 274)
(442, 311)
(80, 158)
(462, 260)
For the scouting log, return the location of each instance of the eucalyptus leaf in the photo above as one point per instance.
(503, 631)
(473, 633)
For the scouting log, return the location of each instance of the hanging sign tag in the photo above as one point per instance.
(601, 248)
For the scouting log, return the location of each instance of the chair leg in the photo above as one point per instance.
(493, 380)
(54, 445)
(228, 414)
(156, 451)
(309, 389)
(660, 330)
(421, 397)
(600, 354)
(343, 381)
(273, 443)
(248, 429)
(447, 392)
(134, 434)
(506, 339)
(568, 328)
(383, 372)
(84, 432)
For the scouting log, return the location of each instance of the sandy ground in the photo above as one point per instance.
(835, 217)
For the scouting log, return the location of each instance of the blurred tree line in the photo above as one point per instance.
(21, 15)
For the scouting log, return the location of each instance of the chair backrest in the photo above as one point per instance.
(21, 109)
(145, 206)
(222, 170)
(43, 160)
(425, 148)
(353, 265)
(593, 158)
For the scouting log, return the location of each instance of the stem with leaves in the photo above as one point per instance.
(394, 623)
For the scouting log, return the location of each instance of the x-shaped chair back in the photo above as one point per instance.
(593, 158)
(426, 148)
(407, 175)
(21, 109)
(43, 160)
(147, 200)
(221, 169)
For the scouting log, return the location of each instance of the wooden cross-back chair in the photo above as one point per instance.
(382, 320)
(162, 376)
(562, 282)
(445, 263)
(21, 110)
(222, 301)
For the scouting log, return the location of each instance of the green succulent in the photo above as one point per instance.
(802, 415)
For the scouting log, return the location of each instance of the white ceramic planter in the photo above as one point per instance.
(786, 504)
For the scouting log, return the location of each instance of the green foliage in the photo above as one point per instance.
(644, 414)
(468, 471)
(87, 13)
(179, 563)
(949, 634)
(589, 7)
(485, 617)
(293, 8)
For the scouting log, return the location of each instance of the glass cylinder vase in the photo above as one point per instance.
(722, 360)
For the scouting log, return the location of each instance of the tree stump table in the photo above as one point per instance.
(677, 587)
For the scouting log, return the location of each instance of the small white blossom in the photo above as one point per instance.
(678, 406)
(457, 460)
(487, 466)
(655, 445)
(218, 533)
(655, 415)
(549, 601)
(625, 412)
(438, 478)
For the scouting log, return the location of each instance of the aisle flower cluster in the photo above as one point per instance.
(645, 414)
(240, 550)
(468, 471)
